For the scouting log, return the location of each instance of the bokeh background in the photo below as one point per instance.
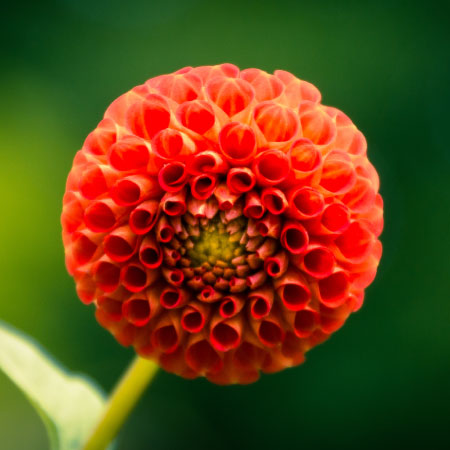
(381, 381)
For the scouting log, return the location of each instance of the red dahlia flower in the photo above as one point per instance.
(223, 222)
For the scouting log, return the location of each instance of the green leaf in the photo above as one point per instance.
(70, 405)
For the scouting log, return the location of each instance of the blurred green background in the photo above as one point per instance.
(381, 381)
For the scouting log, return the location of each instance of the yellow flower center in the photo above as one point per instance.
(217, 243)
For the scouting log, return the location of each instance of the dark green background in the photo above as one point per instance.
(381, 381)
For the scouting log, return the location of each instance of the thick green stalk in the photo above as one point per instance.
(121, 402)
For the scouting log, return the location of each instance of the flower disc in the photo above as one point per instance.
(223, 222)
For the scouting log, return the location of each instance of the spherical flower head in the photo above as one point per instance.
(223, 222)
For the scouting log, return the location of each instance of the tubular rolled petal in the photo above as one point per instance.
(169, 145)
(174, 203)
(150, 253)
(174, 362)
(271, 167)
(358, 145)
(373, 218)
(206, 162)
(118, 109)
(86, 286)
(95, 180)
(257, 279)
(305, 322)
(335, 218)
(196, 283)
(137, 310)
(225, 198)
(338, 174)
(234, 212)
(293, 349)
(306, 159)
(194, 317)
(274, 200)
(146, 117)
(85, 245)
(232, 95)
(275, 266)
(102, 216)
(365, 169)
(221, 284)
(253, 207)
(231, 305)
(316, 124)
(134, 189)
(196, 207)
(106, 274)
(253, 244)
(173, 297)
(269, 226)
(110, 307)
(266, 86)
(72, 213)
(261, 301)
(237, 143)
(124, 332)
(240, 180)
(309, 92)
(200, 209)
(276, 122)
(167, 334)
(178, 227)
(305, 203)
(208, 72)
(144, 216)
(237, 284)
(180, 88)
(267, 248)
(249, 355)
(202, 186)
(226, 334)
(362, 279)
(100, 140)
(173, 176)
(317, 261)
(293, 289)
(212, 207)
(129, 153)
(209, 295)
(361, 197)
(171, 257)
(269, 330)
(297, 90)
(134, 277)
(121, 244)
(355, 242)
(251, 231)
(196, 115)
(153, 294)
(201, 356)
(173, 276)
(163, 230)
(345, 134)
(333, 290)
(294, 237)
(332, 318)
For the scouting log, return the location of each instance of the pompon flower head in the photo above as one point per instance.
(223, 222)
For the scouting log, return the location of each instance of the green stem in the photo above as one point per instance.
(121, 402)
